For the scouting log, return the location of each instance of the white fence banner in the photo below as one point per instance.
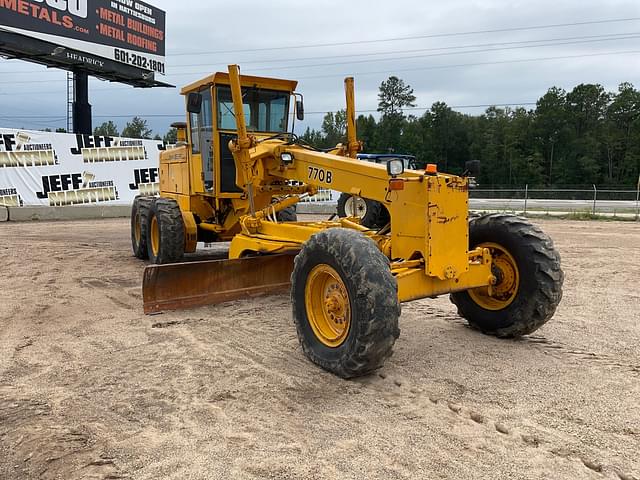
(57, 169)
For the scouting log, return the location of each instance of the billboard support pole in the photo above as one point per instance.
(81, 105)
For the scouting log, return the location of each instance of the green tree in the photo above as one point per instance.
(586, 109)
(394, 95)
(107, 129)
(366, 127)
(389, 133)
(622, 123)
(551, 131)
(137, 128)
(313, 138)
(171, 137)
(448, 139)
(585, 136)
(334, 128)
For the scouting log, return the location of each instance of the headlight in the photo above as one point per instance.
(286, 158)
(395, 167)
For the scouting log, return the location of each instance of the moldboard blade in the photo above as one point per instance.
(176, 286)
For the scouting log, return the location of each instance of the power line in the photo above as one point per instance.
(411, 57)
(396, 70)
(603, 37)
(408, 57)
(414, 37)
(505, 46)
(460, 65)
(175, 115)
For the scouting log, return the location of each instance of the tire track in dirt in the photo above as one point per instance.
(530, 436)
(554, 348)
(560, 350)
(41, 447)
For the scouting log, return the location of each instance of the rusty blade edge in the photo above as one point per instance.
(193, 284)
(193, 301)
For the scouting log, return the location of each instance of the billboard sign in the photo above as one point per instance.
(59, 169)
(131, 32)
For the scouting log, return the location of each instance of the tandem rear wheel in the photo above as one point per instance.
(165, 232)
(139, 221)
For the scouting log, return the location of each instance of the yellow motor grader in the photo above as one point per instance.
(238, 166)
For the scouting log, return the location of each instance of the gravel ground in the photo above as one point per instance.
(92, 388)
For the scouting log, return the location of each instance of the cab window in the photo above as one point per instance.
(202, 123)
(264, 110)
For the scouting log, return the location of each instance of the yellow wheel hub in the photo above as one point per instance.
(504, 292)
(327, 305)
(155, 236)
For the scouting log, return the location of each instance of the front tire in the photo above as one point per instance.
(165, 232)
(528, 272)
(345, 303)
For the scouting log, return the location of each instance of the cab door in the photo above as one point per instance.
(201, 141)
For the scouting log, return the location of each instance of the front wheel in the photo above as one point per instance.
(345, 302)
(528, 278)
(165, 232)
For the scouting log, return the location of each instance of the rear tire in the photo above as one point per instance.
(537, 273)
(341, 272)
(139, 221)
(165, 232)
(368, 211)
(287, 215)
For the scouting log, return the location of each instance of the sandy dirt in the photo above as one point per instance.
(92, 388)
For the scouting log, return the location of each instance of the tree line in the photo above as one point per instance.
(582, 137)
(136, 128)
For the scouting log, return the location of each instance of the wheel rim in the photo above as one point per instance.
(155, 236)
(327, 305)
(505, 269)
(355, 207)
(137, 229)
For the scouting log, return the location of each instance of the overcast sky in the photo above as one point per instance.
(449, 63)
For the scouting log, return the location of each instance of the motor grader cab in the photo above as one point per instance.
(347, 281)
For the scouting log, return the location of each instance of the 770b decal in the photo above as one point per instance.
(320, 174)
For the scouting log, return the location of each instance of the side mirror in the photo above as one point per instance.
(299, 110)
(194, 103)
(471, 168)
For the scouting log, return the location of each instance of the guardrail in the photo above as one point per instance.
(596, 197)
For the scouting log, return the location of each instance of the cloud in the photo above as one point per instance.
(204, 36)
